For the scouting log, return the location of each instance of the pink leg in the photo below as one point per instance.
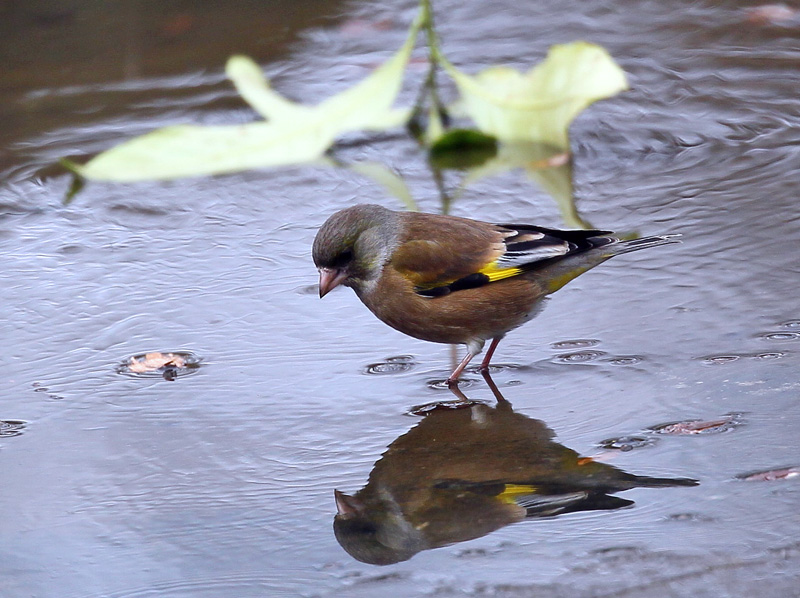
(453, 379)
(493, 387)
(457, 391)
(489, 353)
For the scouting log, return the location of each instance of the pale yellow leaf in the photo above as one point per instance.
(538, 106)
(294, 133)
(249, 80)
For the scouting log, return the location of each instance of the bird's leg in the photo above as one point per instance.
(493, 387)
(474, 347)
(453, 379)
(457, 391)
(488, 357)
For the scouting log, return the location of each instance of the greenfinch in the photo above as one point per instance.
(460, 474)
(454, 280)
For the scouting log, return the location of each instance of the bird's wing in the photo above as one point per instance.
(537, 501)
(543, 505)
(443, 254)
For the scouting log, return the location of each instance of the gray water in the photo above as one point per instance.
(221, 482)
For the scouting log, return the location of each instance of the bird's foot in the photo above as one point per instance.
(452, 384)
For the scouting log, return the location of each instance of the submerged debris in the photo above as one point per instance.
(699, 426)
(168, 365)
(771, 475)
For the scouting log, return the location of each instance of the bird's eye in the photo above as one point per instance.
(345, 257)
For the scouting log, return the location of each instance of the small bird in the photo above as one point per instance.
(460, 474)
(454, 280)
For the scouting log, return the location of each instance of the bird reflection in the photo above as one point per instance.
(462, 473)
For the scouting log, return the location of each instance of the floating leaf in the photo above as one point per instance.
(249, 80)
(167, 365)
(190, 150)
(295, 133)
(154, 361)
(538, 106)
(530, 114)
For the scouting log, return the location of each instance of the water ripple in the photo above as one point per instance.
(11, 427)
(579, 357)
(391, 365)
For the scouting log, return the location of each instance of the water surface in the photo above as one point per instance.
(221, 483)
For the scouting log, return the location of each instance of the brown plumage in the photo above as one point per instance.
(453, 280)
(462, 473)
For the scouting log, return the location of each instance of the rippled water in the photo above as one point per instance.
(221, 483)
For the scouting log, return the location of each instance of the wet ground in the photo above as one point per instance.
(677, 362)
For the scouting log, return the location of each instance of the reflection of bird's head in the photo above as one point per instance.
(461, 474)
(377, 536)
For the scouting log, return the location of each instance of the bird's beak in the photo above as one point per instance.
(347, 506)
(329, 279)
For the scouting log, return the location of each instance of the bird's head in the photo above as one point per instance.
(352, 246)
(375, 530)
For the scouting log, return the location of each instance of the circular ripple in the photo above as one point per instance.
(391, 365)
(312, 289)
(625, 360)
(11, 427)
(699, 426)
(767, 356)
(428, 408)
(690, 517)
(39, 387)
(441, 384)
(580, 343)
(720, 359)
(579, 356)
(626, 443)
(168, 365)
(781, 336)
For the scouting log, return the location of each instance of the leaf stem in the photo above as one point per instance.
(429, 90)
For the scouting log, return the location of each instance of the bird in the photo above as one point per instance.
(460, 474)
(454, 280)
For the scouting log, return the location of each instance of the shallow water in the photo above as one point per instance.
(221, 482)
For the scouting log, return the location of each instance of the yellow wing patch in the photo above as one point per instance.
(494, 272)
(512, 491)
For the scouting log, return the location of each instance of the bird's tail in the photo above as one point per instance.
(642, 481)
(642, 243)
(561, 271)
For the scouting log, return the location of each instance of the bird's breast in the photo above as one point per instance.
(458, 317)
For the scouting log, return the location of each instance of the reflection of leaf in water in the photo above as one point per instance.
(538, 106)
(462, 148)
(392, 182)
(548, 166)
(382, 175)
(294, 134)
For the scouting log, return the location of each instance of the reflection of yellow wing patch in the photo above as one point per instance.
(512, 491)
(493, 272)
